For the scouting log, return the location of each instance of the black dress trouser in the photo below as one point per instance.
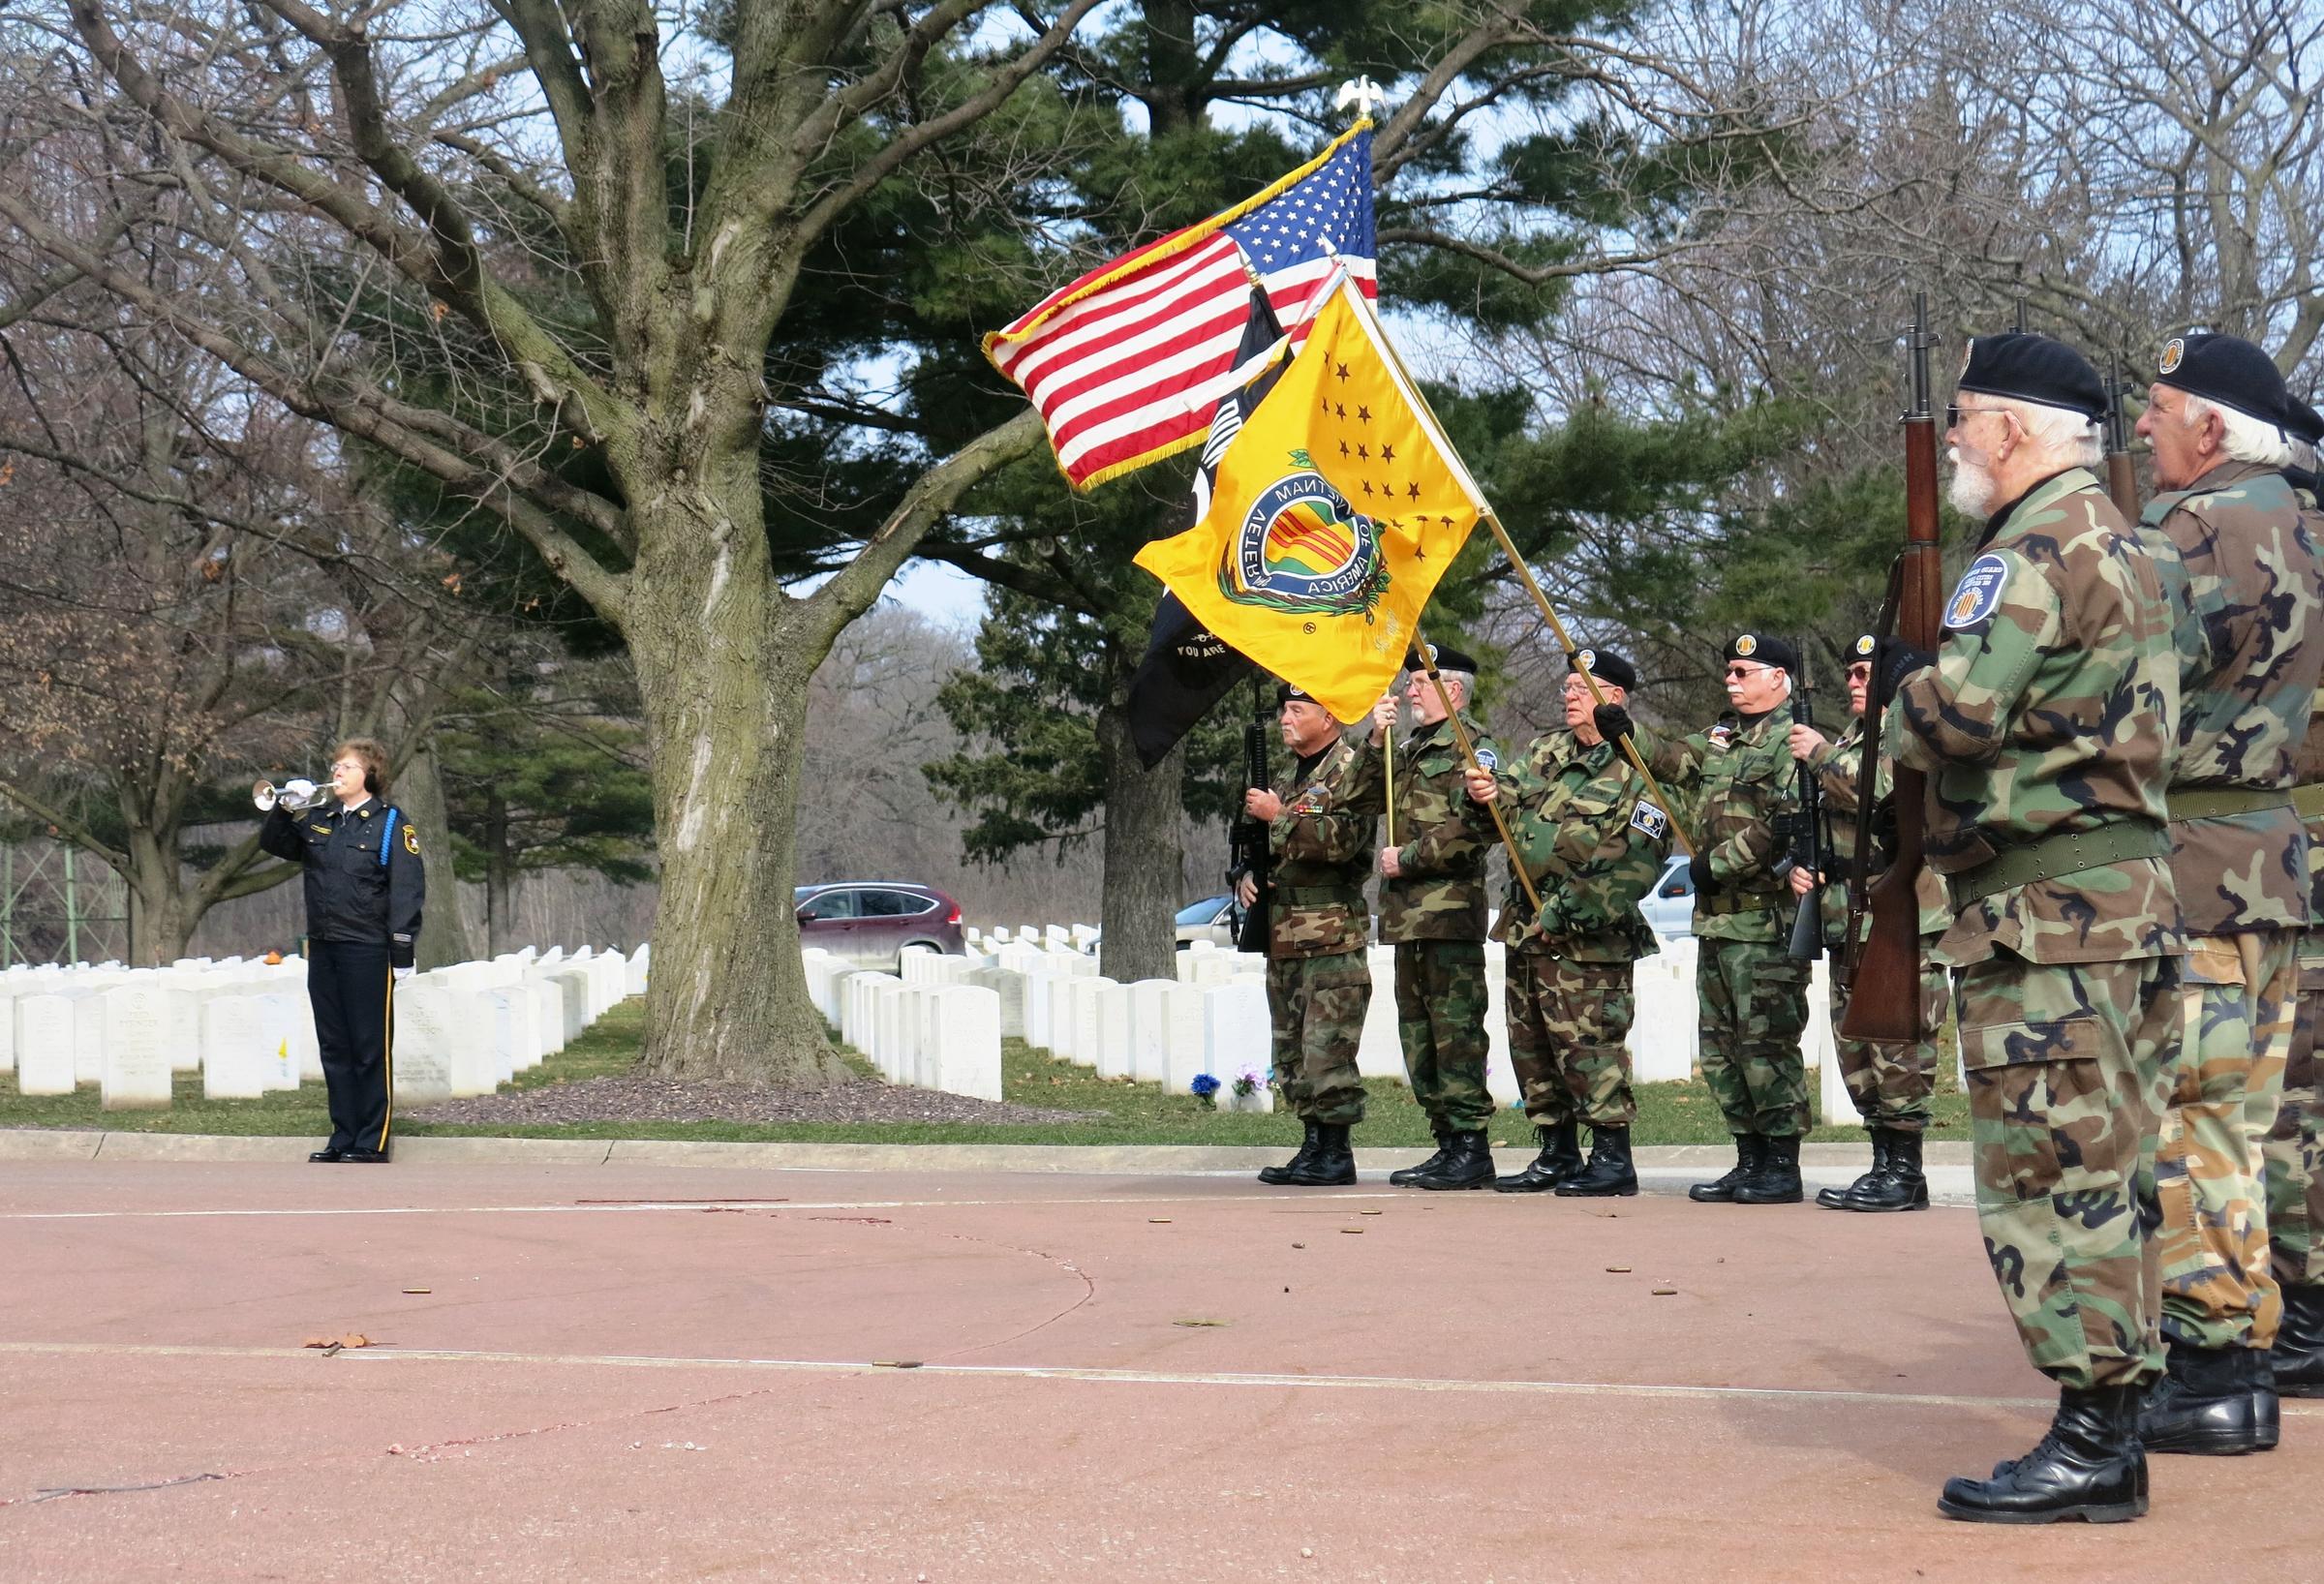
(353, 990)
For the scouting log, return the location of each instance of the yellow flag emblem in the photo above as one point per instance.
(1336, 508)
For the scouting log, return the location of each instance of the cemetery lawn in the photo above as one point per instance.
(1120, 1112)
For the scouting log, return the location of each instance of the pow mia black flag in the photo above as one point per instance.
(1186, 669)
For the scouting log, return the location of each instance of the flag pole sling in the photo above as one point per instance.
(1468, 753)
(1629, 746)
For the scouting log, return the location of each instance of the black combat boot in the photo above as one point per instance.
(1777, 1180)
(1278, 1176)
(1331, 1166)
(1901, 1186)
(2089, 1466)
(1560, 1158)
(2213, 1401)
(2298, 1360)
(1402, 1176)
(1468, 1163)
(1750, 1150)
(1609, 1174)
(1836, 1199)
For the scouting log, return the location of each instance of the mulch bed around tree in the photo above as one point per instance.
(666, 1100)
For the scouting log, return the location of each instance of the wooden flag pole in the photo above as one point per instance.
(1630, 748)
(1387, 768)
(1468, 753)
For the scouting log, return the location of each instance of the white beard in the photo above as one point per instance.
(1972, 488)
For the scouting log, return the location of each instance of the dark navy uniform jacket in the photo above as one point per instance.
(365, 881)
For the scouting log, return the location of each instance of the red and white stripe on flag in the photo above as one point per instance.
(1126, 365)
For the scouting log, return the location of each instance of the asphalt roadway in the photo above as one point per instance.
(665, 1372)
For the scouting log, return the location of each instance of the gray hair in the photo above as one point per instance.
(1466, 679)
(2247, 439)
(2061, 433)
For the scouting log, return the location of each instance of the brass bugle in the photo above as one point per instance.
(265, 795)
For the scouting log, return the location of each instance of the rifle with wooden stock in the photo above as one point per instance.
(1884, 963)
(2122, 473)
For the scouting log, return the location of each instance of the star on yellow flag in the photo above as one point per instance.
(1335, 509)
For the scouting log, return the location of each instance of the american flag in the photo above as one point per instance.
(1127, 364)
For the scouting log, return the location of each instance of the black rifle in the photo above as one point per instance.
(1808, 833)
(1247, 851)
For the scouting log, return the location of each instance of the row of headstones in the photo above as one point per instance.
(247, 1029)
(1213, 1018)
(926, 1026)
(1077, 937)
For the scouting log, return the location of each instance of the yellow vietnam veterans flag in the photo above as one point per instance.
(1335, 508)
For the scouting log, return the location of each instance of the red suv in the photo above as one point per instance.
(871, 922)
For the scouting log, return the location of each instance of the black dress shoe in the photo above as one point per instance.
(2090, 1466)
(327, 1157)
(366, 1157)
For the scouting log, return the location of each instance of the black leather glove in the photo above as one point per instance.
(1612, 721)
(1698, 870)
(1893, 661)
(399, 951)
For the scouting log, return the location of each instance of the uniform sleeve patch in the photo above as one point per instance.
(1647, 817)
(1487, 759)
(411, 842)
(1978, 594)
(1722, 735)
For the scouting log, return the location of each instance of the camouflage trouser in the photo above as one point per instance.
(1889, 1080)
(2217, 1291)
(1318, 1005)
(1755, 1005)
(1440, 1019)
(2065, 1065)
(2295, 1183)
(1568, 1022)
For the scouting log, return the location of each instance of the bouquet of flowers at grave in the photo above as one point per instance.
(1246, 1083)
(1204, 1086)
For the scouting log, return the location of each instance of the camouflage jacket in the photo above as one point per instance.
(2237, 555)
(1442, 838)
(2309, 768)
(2051, 708)
(1322, 852)
(1593, 846)
(1836, 765)
(1742, 777)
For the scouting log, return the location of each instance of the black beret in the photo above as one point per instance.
(2023, 367)
(2228, 370)
(1751, 645)
(2302, 421)
(1446, 659)
(1606, 666)
(1285, 692)
(1862, 648)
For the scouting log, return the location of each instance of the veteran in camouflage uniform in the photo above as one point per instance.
(1889, 1081)
(1593, 846)
(2295, 1183)
(1433, 911)
(1755, 994)
(2238, 555)
(2046, 723)
(1318, 986)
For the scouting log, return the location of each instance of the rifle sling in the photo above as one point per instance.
(2059, 853)
(2221, 802)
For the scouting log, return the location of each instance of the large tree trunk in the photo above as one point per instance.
(419, 793)
(1144, 855)
(722, 670)
(162, 912)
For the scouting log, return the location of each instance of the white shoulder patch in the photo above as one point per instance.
(1978, 594)
(1489, 759)
(1647, 817)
